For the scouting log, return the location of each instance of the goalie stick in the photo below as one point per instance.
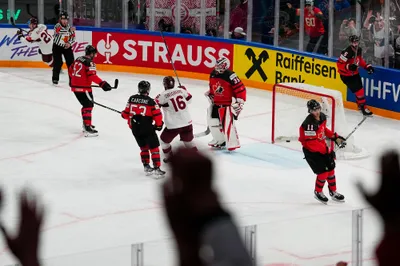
(102, 105)
(202, 134)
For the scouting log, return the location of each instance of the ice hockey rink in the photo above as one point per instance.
(98, 201)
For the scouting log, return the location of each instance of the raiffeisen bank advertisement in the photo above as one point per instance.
(259, 66)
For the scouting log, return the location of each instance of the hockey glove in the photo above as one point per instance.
(339, 141)
(105, 86)
(352, 67)
(370, 69)
(237, 108)
(182, 87)
(20, 34)
(158, 128)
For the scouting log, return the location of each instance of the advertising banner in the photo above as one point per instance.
(140, 50)
(382, 89)
(11, 48)
(271, 67)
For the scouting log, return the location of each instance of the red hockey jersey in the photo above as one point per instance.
(224, 86)
(313, 25)
(82, 73)
(348, 57)
(313, 133)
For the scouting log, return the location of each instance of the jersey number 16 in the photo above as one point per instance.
(179, 103)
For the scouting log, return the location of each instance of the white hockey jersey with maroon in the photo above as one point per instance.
(41, 37)
(174, 103)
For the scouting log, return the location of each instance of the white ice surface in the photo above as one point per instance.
(98, 202)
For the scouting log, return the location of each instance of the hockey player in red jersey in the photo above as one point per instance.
(82, 73)
(222, 113)
(313, 134)
(349, 61)
(141, 112)
(314, 28)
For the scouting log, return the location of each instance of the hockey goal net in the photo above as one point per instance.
(289, 109)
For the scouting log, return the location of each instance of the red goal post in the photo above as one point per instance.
(296, 98)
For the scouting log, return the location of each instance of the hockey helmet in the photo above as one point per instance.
(168, 82)
(64, 15)
(354, 38)
(309, 3)
(222, 64)
(90, 49)
(313, 105)
(144, 87)
(33, 20)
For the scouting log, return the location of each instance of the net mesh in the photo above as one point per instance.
(290, 110)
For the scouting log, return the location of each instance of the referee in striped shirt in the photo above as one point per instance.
(64, 37)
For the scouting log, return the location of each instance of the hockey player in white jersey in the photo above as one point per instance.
(174, 103)
(38, 34)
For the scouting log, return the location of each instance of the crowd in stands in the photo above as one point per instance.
(204, 232)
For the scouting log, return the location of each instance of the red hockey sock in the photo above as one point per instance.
(360, 97)
(87, 115)
(167, 151)
(145, 155)
(332, 180)
(320, 182)
(155, 157)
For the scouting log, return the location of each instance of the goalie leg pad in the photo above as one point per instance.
(229, 128)
(215, 125)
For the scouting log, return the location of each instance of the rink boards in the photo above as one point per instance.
(258, 65)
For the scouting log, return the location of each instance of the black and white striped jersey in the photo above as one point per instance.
(63, 35)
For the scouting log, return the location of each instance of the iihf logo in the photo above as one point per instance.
(107, 48)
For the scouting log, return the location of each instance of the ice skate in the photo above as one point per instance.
(55, 82)
(218, 145)
(158, 172)
(336, 196)
(148, 170)
(365, 110)
(89, 131)
(320, 196)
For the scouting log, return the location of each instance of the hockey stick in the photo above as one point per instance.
(13, 23)
(102, 105)
(116, 82)
(28, 10)
(161, 26)
(355, 128)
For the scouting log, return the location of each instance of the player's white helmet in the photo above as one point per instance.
(221, 65)
(309, 3)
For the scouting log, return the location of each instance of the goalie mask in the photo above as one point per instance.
(168, 82)
(221, 65)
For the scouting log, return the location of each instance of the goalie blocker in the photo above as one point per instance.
(222, 113)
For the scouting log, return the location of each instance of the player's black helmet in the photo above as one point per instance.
(90, 50)
(354, 38)
(64, 15)
(313, 105)
(144, 87)
(168, 82)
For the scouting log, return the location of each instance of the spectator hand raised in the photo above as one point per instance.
(25, 244)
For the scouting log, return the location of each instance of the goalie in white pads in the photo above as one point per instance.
(38, 34)
(222, 113)
(174, 103)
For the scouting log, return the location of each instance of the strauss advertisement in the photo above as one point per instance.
(151, 52)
